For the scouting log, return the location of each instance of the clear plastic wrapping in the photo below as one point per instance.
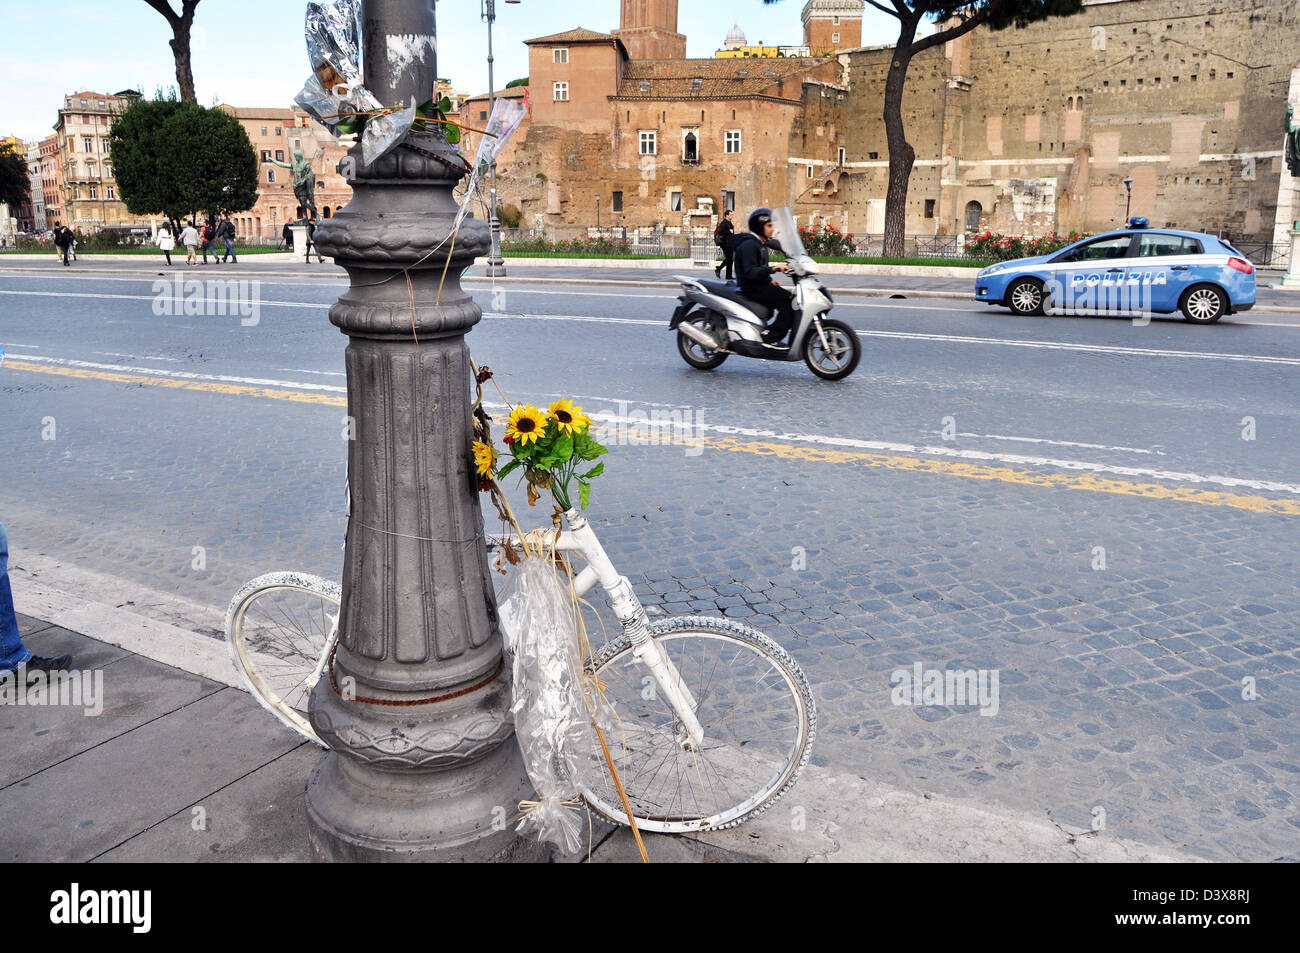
(333, 31)
(506, 116)
(552, 722)
(334, 93)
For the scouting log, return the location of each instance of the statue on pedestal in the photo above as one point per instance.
(304, 181)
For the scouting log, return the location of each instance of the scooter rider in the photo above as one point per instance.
(754, 274)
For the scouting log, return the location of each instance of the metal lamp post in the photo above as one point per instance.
(1128, 197)
(423, 764)
(598, 214)
(496, 265)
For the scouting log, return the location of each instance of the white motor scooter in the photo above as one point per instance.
(714, 320)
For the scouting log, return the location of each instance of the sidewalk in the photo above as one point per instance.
(184, 766)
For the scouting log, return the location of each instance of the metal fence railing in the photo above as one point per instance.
(1265, 254)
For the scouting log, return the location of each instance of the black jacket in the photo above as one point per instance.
(752, 257)
(226, 229)
(724, 234)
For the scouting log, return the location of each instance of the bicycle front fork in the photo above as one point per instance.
(651, 654)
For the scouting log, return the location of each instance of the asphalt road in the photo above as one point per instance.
(1103, 513)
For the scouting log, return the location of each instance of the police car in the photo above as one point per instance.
(1138, 270)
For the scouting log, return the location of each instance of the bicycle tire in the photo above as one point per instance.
(279, 653)
(656, 805)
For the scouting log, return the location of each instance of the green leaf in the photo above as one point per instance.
(586, 448)
(584, 494)
(595, 471)
(444, 105)
(453, 134)
(509, 467)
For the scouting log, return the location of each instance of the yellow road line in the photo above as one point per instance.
(1085, 482)
(211, 387)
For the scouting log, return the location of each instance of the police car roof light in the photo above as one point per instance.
(1138, 221)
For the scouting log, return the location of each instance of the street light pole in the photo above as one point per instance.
(597, 214)
(415, 703)
(496, 265)
(1128, 197)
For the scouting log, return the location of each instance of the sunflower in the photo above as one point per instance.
(569, 419)
(527, 423)
(484, 457)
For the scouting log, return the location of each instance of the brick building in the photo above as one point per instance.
(1033, 130)
(664, 141)
(830, 26)
(51, 181)
(277, 134)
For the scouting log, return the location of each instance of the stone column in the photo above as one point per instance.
(423, 762)
(299, 233)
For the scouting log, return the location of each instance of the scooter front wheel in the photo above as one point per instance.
(693, 352)
(833, 354)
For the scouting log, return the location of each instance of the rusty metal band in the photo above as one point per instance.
(407, 703)
(463, 169)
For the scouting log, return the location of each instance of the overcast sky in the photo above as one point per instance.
(251, 52)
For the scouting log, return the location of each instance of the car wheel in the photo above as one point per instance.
(1204, 304)
(1026, 297)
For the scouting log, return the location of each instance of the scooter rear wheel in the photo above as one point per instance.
(693, 352)
(837, 356)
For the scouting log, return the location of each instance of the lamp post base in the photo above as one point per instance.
(495, 268)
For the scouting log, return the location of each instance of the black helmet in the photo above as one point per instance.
(758, 218)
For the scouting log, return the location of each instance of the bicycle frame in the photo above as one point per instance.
(581, 540)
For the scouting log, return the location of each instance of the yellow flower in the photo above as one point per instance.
(569, 419)
(526, 424)
(484, 457)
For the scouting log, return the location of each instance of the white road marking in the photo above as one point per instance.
(139, 357)
(886, 446)
(1059, 443)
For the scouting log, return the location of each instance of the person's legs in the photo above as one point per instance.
(780, 301)
(728, 261)
(230, 250)
(12, 651)
(169, 255)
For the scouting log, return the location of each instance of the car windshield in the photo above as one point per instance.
(787, 234)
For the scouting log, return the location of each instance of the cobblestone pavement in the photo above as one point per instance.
(1144, 629)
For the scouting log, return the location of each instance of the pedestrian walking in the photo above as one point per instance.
(311, 242)
(190, 239)
(166, 241)
(209, 235)
(63, 242)
(226, 232)
(722, 237)
(14, 656)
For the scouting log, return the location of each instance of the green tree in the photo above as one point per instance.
(180, 41)
(517, 82)
(15, 187)
(176, 159)
(954, 18)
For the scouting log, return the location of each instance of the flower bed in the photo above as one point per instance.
(991, 247)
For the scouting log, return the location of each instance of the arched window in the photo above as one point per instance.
(973, 212)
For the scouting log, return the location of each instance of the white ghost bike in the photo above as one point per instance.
(716, 719)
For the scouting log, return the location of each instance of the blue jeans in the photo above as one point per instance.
(230, 250)
(12, 651)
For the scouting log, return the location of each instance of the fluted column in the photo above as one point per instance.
(423, 762)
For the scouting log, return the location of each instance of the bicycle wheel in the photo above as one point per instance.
(279, 628)
(757, 713)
